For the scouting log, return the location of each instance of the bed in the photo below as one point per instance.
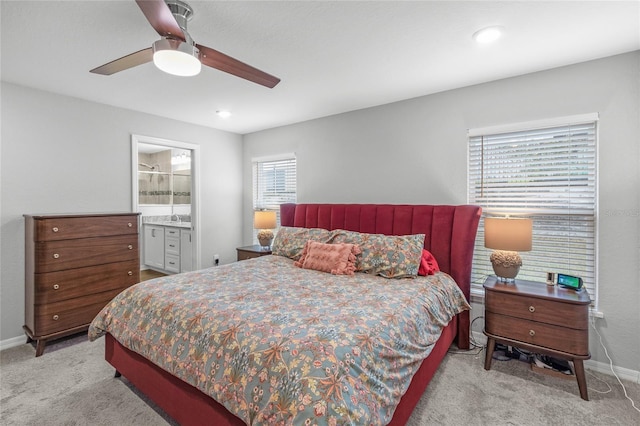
(296, 366)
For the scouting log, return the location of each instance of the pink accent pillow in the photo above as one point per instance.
(339, 259)
(428, 264)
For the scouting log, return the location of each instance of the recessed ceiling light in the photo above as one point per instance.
(487, 35)
(223, 114)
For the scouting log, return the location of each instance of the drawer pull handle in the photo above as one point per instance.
(532, 309)
(55, 229)
(56, 255)
(532, 333)
(56, 286)
(56, 317)
(130, 273)
(130, 247)
(130, 225)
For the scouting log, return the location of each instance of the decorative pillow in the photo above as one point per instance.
(339, 259)
(290, 241)
(428, 264)
(385, 255)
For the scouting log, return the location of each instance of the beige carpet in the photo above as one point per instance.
(71, 384)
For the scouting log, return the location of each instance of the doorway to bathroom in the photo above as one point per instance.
(165, 183)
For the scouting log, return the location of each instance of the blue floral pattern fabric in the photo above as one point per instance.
(290, 241)
(390, 256)
(276, 344)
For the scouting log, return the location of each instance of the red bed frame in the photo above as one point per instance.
(450, 233)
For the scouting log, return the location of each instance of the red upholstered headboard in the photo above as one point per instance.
(450, 233)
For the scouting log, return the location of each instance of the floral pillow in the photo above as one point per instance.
(338, 259)
(386, 255)
(290, 241)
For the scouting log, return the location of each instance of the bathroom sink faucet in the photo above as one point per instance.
(177, 218)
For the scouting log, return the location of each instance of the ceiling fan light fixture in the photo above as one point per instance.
(176, 57)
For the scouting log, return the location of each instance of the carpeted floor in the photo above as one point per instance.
(71, 384)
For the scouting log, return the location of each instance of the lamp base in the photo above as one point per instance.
(265, 237)
(506, 264)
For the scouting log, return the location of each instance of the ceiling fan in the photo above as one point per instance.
(176, 52)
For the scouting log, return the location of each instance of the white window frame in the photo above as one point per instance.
(290, 183)
(535, 271)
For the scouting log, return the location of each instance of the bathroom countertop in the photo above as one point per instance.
(185, 225)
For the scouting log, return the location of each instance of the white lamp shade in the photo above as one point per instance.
(264, 219)
(509, 234)
(176, 57)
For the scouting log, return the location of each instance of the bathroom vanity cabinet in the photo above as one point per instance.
(168, 247)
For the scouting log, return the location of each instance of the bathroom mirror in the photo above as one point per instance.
(164, 175)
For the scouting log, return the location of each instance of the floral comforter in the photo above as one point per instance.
(278, 344)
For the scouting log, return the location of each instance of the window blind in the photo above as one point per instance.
(549, 175)
(274, 183)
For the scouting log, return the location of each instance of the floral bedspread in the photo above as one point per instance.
(277, 344)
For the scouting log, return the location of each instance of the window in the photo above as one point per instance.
(547, 172)
(274, 183)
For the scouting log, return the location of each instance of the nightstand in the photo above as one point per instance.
(249, 252)
(544, 319)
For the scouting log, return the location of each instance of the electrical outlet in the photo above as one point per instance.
(216, 260)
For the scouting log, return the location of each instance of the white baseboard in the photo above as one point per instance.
(13, 342)
(590, 364)
(605, 368)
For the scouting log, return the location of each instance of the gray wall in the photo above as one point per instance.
(415, 151)
(61, 154)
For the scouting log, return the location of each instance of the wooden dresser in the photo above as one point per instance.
(543, 319)
(74, 265)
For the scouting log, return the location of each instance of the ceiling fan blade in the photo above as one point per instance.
(222, 62)
(160, 17)
(133, 60)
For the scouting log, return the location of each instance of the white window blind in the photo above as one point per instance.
(549, 175)
(274, 183)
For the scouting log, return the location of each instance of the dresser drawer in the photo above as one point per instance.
(59, 255)
(62, 285)
(554, 337)
(538, 309)
(67, 228)
(171, 232)
(172, 263)
(244, 255)
(60, 316)
(172, 245)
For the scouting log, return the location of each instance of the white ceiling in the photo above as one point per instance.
(332, 57)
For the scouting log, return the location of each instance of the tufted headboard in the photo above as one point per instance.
(450, 233)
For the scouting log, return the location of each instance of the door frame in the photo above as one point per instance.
(195, 183)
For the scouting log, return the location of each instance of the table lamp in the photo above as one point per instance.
(507, 236)
(265, 221)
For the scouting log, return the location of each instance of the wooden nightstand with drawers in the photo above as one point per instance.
(249, 252)
(543, 319)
